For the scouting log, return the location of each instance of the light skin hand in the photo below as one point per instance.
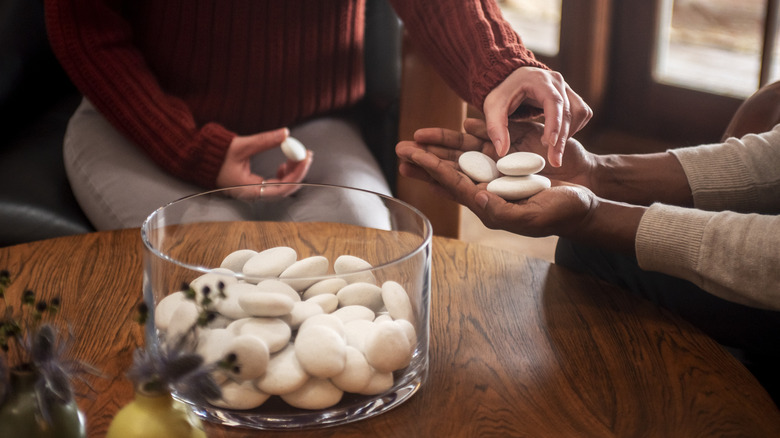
(565, 112)
(236, 169)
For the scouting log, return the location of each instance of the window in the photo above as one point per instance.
(713, 45)
(537, 21)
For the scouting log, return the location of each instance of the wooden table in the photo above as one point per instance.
(519, 347)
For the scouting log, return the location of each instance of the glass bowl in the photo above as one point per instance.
(365, 242)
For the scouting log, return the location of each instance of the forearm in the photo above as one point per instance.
(102, 61)
(468, 42)
(642, 179)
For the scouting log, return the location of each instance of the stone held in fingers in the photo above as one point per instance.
(478, 166)
(514, 188)
(520, 164)
(293, 149)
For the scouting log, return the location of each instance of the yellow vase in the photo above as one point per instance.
(155, 416)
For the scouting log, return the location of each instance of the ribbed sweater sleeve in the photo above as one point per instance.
(469, 43)
(181, 78)
(732, 250)
(94, 44)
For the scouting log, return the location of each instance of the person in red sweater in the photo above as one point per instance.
(183, 95)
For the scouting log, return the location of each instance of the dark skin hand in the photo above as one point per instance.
(526, 136)
(567, 209)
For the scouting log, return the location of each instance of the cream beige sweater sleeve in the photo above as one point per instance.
(729, 245)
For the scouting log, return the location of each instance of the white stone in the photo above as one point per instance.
(513, 188)
(520, 164)
(320, 350)
(356, 332)
(327, 320)
(298, 275)
(387, 347)
(357, 372)
(361, 294)
(218, 321)
(284, 373)
(240, 395)
(328, 302)
(229, 305)
(326, 286)
(251, 355)
(379, 383)
(269, 263)
(259, 303)
(301, 311)
(397, 301)
(279, 287)
(383, 317)
(183, 318)
(293, 149)
(359, 269)
(478, 166)
(353, 313)
(212, 344)
(273, 331)
(212, 280)
(165, 308)
(314, 394)
(411, 333)
(235, 260)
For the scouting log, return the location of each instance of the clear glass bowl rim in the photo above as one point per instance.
(427, 234)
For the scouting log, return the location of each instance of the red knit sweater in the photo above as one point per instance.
(181, 78)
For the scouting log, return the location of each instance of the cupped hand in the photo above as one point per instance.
(236, 170)
(565, 112)
(577, 166)
(561, 210)
(446, 144)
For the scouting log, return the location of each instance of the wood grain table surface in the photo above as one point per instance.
(519, 348)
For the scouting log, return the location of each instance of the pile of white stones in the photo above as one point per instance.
(512, 177)
(303, 340)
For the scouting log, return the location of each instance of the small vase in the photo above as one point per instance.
(155, 415)
(20, 415)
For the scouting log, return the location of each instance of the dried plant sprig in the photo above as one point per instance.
(172, 364)
(39, 348)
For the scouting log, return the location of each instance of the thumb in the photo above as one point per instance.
(263, 141)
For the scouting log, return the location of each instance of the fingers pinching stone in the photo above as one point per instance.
(478, 166)
(520, 163)
(293, 149)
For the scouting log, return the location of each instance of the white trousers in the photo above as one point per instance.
(118, 186)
